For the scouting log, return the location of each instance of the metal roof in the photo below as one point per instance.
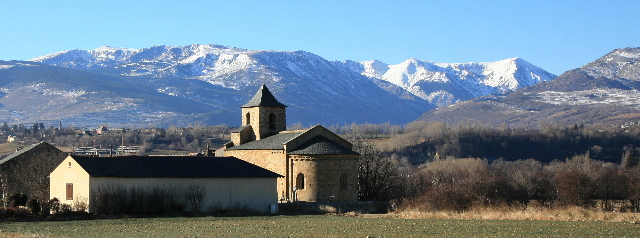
(171, 167)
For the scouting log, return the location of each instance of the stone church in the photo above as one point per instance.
(317, 164)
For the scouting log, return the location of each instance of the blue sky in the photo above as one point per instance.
(554, 35)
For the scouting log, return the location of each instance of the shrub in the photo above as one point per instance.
(14, 212)
(115, 199)
(17, 199)
(65, 209)
(80, 205)
(54, 205)
(195, 197)
(45, 208)
(34, 206)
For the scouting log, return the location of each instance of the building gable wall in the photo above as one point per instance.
(69, 172)
(313, 132)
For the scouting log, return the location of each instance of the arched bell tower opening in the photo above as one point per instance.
(272, 122)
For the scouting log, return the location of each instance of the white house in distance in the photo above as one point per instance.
(227, 181)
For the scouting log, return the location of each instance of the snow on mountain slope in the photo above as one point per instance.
(618, 64)
(205, 62)
(606, 90)
(371, 68)
(347, 91)
(445, 83)
(316, 90)
(438, 84)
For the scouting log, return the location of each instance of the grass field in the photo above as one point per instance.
(314, 226)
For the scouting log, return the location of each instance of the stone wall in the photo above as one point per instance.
(259, 120)
(322, 175)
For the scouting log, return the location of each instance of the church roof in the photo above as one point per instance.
(274, 142)
(239, 129)
(320, 145)
(264, 98)
(171, 167)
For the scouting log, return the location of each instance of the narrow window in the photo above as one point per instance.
(300, 181)
(248, 118)
(69, 191)
(272, 121)
(343, 182)
(69, 164)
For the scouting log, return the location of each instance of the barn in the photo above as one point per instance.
(214, 182)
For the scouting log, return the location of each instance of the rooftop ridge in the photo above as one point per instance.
(263, 98)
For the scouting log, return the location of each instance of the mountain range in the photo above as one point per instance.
(164, 85)
(605, 90)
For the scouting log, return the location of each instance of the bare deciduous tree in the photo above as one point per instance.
(378, 176)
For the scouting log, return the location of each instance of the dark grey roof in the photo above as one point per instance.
(321, 145)
(264, 98)
(274, 142)
(239, 129)
(171, 167)
(25, 149)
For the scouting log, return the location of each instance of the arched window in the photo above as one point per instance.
(343, 182)
(300, 181)
(272, 121)
(248, 119)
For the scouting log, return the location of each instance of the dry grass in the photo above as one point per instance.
(530, 213)
(8, 148)
(20, 235)
(625, 116)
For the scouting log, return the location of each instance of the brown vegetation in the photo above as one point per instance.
(540, 213)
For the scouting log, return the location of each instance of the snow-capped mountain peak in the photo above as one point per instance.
(618, 64)
(362, 91)
(446, 83)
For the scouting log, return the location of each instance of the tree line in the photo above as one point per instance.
(462, 183)
(435, 166)
(424, 141)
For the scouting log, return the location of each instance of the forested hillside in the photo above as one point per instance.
(424, 141)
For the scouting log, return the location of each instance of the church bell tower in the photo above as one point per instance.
(264, 114)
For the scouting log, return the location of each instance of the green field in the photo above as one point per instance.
(313, 226)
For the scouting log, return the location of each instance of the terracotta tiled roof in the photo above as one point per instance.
(171, 167)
